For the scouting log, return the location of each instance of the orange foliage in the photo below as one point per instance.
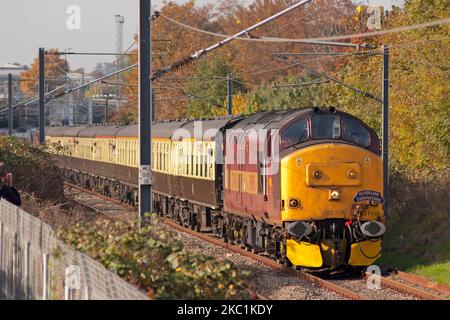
(320, 18)
(55, 67)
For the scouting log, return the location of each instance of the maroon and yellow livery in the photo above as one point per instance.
(305, 185)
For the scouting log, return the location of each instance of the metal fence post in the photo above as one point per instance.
(45, 283)
(27, 270)
(15, 267)
(86, 293)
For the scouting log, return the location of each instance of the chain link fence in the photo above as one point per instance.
(34, 265)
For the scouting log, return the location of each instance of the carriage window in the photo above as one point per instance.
(355, 132)
(295, 133)
(326, 126)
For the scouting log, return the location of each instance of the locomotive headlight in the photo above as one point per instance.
(373, 228)
(294, 203)
(299, 229)
(334, 195)
(351, 174)
(317, 174)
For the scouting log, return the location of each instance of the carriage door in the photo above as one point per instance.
(240, 166)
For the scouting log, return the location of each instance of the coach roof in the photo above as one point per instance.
(207, 128)
(88, 132)
(69, 131)
(109, 131)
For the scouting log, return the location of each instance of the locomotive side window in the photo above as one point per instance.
(326, 126)
(295, 133)
(354, 132)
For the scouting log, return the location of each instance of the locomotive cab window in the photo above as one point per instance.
(355, 132)
(326, 126)
(295, 133)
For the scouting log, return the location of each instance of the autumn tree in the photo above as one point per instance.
(169, 43)
(252, 58)
(55, 68)
(208, 89)
(419, 106)
(320, 18)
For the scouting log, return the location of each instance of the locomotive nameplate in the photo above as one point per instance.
(145, 175)
(368, 195)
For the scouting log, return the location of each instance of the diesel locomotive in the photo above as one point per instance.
(304, 186)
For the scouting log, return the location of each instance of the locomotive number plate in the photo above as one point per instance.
(145, 175)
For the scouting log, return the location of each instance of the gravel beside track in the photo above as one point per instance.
(360, 286)
(422, 283)
(265, 281)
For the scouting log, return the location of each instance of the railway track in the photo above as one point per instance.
(414, 291)
(346, 293)
(114, 209)
(104, 205)
(399, 286)
(425, 285)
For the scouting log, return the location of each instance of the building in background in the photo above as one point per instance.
(15, 70)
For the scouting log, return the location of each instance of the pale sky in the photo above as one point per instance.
(26, 25)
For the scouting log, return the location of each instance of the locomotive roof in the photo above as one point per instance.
(274, 119)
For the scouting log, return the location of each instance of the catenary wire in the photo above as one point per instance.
(341, 37)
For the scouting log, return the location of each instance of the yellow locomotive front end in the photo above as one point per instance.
(331, 196)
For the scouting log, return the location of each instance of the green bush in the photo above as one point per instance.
(34, 170)
(151, 258)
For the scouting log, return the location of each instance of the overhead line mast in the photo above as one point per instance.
(145, 95)
(199, 53)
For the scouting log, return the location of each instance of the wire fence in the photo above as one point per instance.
(34, 265)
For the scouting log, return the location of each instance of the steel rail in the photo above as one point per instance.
(260, 259)
(328, 285)
(252, 293)
(404, 288)
(270, 263)
(424, 282)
